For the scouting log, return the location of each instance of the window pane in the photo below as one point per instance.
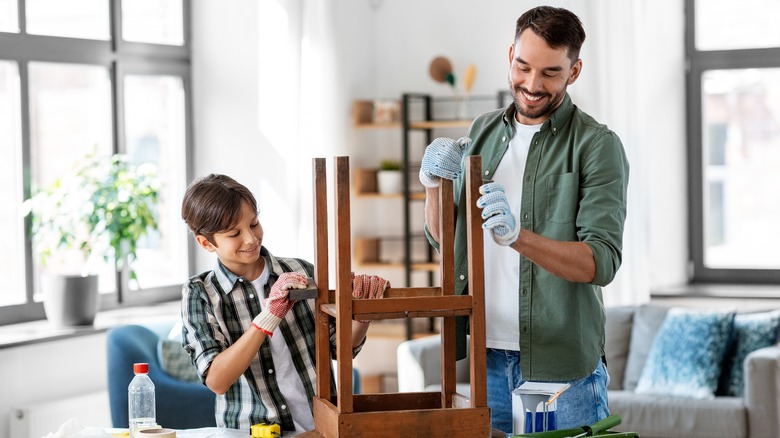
(75, 18)
(12, 264)
(155, 128)
(741, 158)
(724, 24)
(70, 118)
(9, 16)
(153, 21)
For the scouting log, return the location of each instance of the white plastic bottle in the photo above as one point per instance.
(140, 399)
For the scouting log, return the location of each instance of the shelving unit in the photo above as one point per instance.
(420, 117)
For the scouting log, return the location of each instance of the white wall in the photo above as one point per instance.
(633, 80)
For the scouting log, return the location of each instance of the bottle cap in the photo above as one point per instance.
(141, 368)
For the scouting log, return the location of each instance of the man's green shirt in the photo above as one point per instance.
(574, 189)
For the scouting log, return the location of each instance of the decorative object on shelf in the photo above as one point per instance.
(468, 83)
(441, 71)
(386, 111)
(101, 209)
(376, 113)
(390, 177)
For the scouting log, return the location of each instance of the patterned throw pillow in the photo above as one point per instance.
(751, 332)
(175, 361)
(687, 353)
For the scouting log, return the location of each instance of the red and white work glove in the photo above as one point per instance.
(368, 287)
(276, 306)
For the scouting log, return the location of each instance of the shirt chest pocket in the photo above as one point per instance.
(562, 197)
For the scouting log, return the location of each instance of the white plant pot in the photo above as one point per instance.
(390, 181)
(70, 300)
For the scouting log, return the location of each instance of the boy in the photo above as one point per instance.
(257, 355)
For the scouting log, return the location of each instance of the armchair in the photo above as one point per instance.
(180, 404)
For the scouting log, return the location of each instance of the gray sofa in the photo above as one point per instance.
(630, 334)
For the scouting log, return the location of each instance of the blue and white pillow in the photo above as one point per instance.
(687, 353)
(751, 332)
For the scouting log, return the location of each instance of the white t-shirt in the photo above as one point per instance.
(502, 263)
(286, 375)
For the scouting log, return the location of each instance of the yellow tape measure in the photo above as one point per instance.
(263, 430)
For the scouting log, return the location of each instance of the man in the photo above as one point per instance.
(554, 208)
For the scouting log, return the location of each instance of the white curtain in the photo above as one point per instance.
(632, 78)
(300, 105)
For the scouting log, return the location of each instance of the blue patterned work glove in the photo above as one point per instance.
(497, 215)
(442, 160)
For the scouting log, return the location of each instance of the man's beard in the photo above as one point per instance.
(541, 112)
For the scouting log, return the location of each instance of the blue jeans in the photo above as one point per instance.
(585, 402)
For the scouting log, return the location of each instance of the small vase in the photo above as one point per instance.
(462, 108)
(390, 181)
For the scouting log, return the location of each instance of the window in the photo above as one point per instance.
(734, 115)
(70, 86)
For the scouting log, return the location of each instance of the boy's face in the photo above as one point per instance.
(238, 248)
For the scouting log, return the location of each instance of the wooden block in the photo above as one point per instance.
(365, 181)
(367, 250)
(362, 112)
(310, 292)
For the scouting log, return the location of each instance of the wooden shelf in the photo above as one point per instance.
(369, 251)
(422, 267)
(440, 124)
(368, 125)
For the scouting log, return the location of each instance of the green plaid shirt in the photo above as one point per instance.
(217, 308)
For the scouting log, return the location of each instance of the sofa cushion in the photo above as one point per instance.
(687, 354)
(655, 416)
(647, 320)
(752, 331)
(175, 361)
(618, 336)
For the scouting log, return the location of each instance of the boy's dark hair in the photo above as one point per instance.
(213, 203)
(558, 26)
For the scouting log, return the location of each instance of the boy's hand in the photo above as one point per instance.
(276, 306)
(497, 215)
(368, 287)
(442, 160)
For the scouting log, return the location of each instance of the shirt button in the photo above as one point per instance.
(487, 172)
(525, 215)
(525, 292)
(462, 277)
(251, 295)
(240, 280)
(284, 407)
(271, 371)
(503, 138)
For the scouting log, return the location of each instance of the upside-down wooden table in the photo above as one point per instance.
(429, 414)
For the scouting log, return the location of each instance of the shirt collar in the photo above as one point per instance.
(554, 123)
(227, 279)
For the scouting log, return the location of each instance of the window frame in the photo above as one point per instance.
(120, 58)
(698, 62)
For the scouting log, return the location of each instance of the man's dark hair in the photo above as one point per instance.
(558, 26)
(213, 203)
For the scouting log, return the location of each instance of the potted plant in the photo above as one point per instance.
(390, 177)
(97, 211)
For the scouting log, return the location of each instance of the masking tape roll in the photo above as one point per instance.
(156, 433)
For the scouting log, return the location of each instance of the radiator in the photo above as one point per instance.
(39, 419)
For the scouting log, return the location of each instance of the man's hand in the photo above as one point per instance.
(276, 306)
(368, 287)
(497, 215)
(442, 160)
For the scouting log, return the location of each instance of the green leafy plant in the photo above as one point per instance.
(101, 209)
(389, 164)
